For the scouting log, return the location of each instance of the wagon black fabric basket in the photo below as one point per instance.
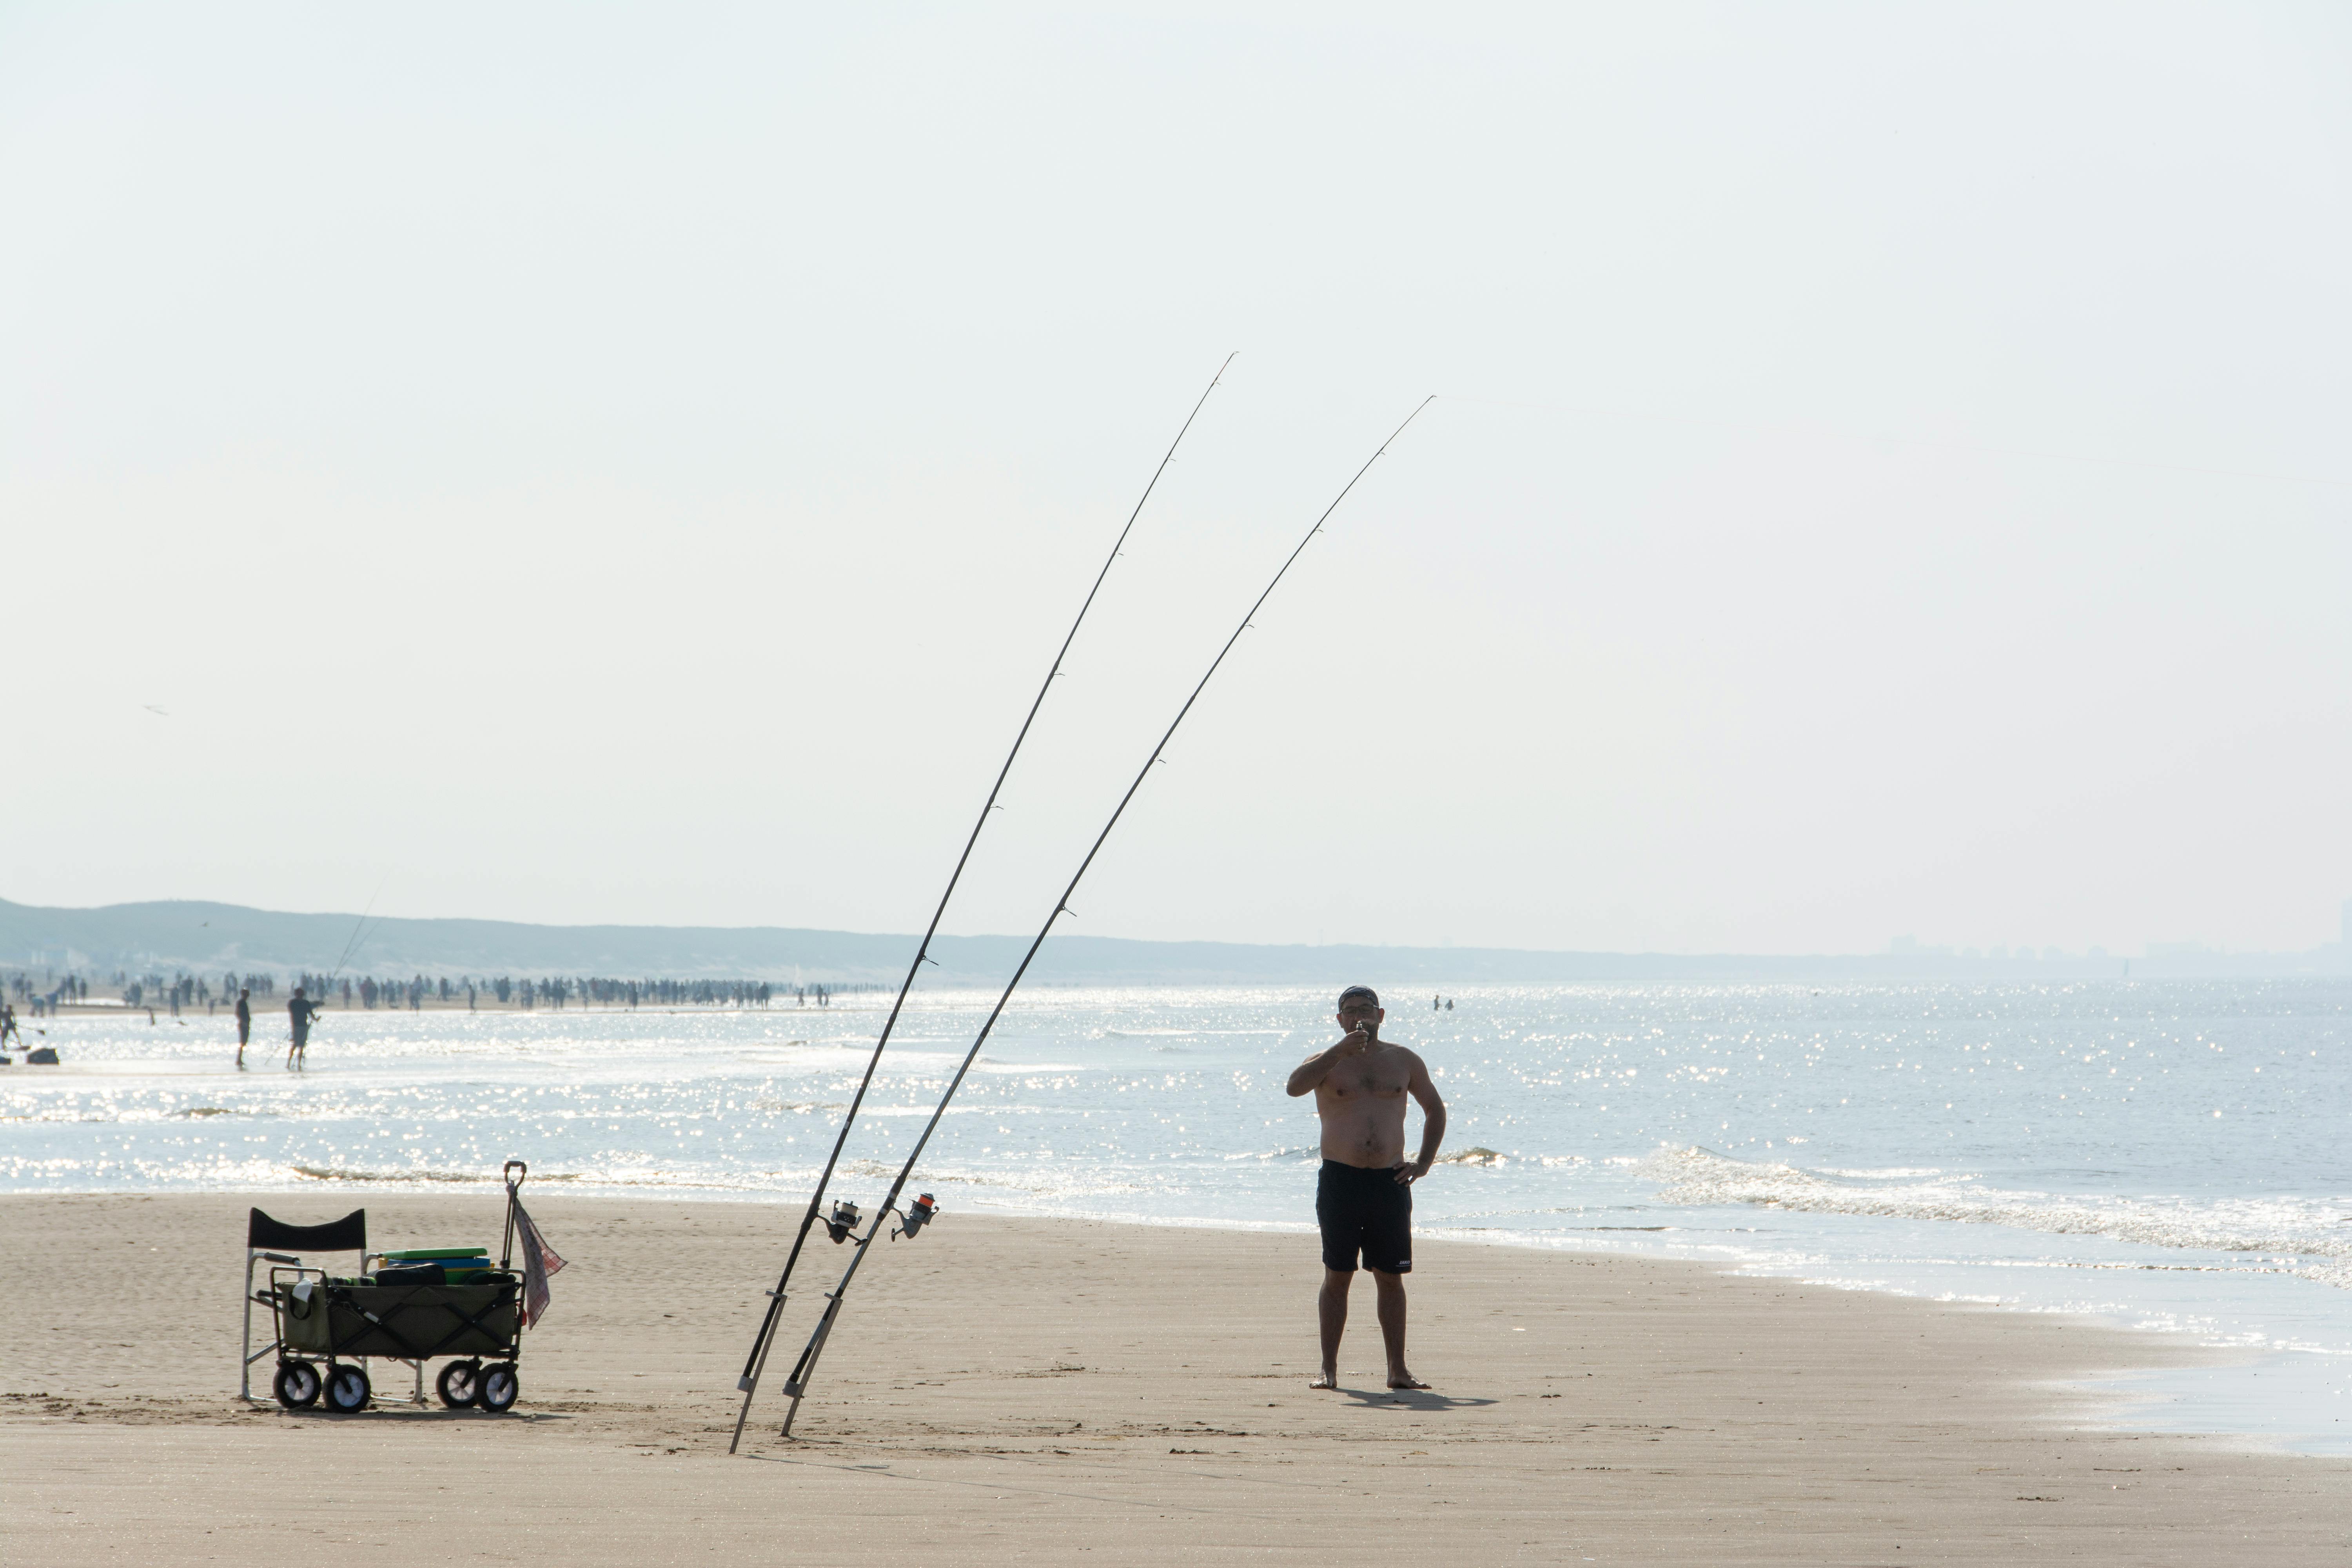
(410, 1322)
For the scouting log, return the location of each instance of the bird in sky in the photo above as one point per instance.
(152, 709)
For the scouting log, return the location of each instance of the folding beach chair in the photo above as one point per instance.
(268, 1240)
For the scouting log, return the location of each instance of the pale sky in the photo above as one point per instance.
(632, 463)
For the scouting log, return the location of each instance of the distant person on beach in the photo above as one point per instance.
(301, 1010)
(244, 1021)
(1363, 1198)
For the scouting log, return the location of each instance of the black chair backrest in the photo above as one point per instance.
(348, 1234)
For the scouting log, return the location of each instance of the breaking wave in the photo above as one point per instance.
(2286, 1228)
(469, 1178)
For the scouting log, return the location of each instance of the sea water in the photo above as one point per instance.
(2167, 1155)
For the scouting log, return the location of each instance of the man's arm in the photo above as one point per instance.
(1433, 1120)
(1316, 1068)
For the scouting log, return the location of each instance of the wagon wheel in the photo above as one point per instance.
(347, 1389)
(296, 1384)
(498, 1387)
(460, 1384)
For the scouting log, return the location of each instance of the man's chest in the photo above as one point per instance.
(1372, 1080)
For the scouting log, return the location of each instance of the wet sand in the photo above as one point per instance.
(1066, 1392)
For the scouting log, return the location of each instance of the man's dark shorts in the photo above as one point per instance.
(1367, 1212)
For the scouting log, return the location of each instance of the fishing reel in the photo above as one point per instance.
(841, 1221)
(917, 1215)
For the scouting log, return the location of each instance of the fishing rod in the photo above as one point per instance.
(757, 1362)
(352, 946)
(924, 1210)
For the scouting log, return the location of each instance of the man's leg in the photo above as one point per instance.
(1389, 1290)
(1331, 1308)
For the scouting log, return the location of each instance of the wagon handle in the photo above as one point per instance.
(513, 1174)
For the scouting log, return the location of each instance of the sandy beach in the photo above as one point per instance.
(1059, 1392)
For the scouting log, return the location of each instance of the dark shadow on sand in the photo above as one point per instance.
(1411, 1399)
(411, 1413)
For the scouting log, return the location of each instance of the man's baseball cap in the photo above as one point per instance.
(1360, 992)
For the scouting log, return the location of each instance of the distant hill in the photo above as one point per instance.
(206, 938)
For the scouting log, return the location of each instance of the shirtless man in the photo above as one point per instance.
(243, 1020)
(1363, 1199)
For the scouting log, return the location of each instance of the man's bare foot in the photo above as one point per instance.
(1325, 1380)
(1405, 1380)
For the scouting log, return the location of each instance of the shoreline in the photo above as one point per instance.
(2172, 1350)
(394, 1099)
(1078, 1390)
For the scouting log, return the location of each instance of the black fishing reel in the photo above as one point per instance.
(841, 1221)
(917, 1215)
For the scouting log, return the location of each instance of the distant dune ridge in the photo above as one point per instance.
(204, 938)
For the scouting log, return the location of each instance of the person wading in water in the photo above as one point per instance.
(301, 1010)
(243, 1020)
(1363, 1200)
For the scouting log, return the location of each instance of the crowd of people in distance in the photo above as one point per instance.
(313, 994)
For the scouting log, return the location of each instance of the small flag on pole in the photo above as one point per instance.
(539, 1261)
